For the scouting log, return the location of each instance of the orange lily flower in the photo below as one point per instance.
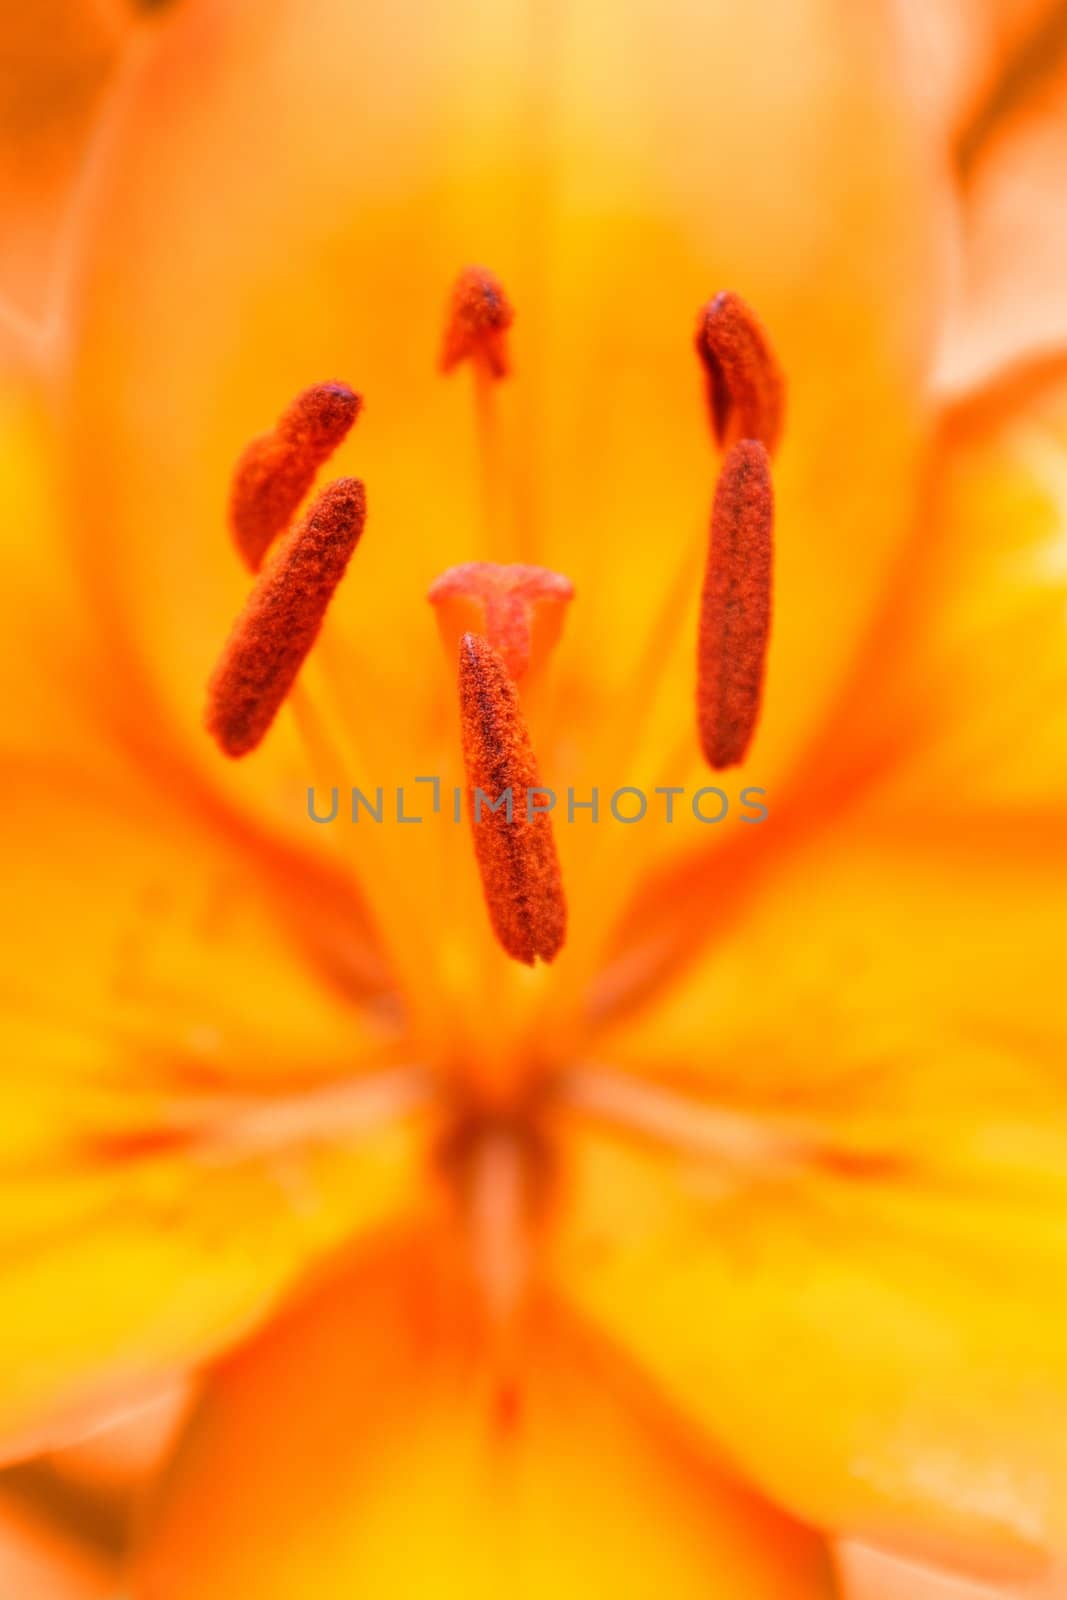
(653, 1207)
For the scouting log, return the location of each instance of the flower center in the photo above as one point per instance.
(500, 621)
(497, 1171)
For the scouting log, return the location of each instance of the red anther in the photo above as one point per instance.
(277, 470)
(282, 618)
(516, 855)
(478, 321)
(519, 609)
(735, 606)
(746, 390)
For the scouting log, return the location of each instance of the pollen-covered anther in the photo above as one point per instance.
(746, 389)
(513, 841)
(735, 606)
(478, 321)
(519, 609)
(282, 618)
(276, 470)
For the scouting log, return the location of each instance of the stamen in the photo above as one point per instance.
(735, 607)
(516, 854)
(277, 470)
(746, 390)
(478, 321)
(282, 618)
(519, 609)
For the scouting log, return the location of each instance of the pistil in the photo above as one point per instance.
(519, 609)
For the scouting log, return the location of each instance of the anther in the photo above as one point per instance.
(519, 609)
(735, 606)
(282, 618)
(515, 850)
(746, 390)
(276, 470)
(479, 318)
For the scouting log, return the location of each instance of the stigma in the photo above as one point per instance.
(519, 609)
(513, 841)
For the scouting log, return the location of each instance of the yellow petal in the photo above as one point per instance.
(54, 677)
(370, 1434)
(114, 1275)
(882, 1356)
(181, 1128)
(963, 697)
(836, 1239)
(153, 946)
(883, 962)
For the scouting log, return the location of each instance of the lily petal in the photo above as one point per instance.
(168, 1259)
(38, 1557)
(150, 930)
(965, 52)
(173, 1154)
(59, 56)
(961, 702)
(444, 1477)
(855, 1188)
(1008, 163)
(867, 1574)
(916, 1361)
